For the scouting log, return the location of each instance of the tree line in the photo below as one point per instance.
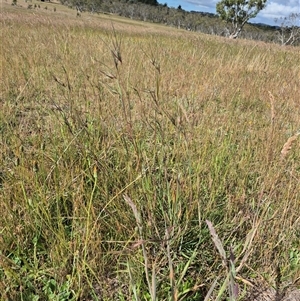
(231, 20)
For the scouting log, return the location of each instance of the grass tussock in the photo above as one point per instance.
(124, 147)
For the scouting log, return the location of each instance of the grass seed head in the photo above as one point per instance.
(288, 145)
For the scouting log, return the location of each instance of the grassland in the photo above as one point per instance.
(119, 139)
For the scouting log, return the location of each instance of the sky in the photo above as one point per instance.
(274, 9)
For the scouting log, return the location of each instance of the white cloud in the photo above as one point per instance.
(277, 10)
(203, 5)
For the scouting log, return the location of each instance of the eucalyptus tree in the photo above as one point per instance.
(289, 31)
(238, 13)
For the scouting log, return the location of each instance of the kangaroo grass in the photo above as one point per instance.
(140, 162)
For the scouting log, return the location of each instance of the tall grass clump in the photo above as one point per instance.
(144, 163)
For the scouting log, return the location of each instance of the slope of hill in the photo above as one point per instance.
(144, 162)
(178, 18)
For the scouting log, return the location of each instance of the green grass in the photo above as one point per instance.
(118, 141)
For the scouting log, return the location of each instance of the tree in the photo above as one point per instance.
(150, 2)
(238, 13)
(289, 32)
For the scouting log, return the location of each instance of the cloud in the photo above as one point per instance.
(275, 9)
(203, 5)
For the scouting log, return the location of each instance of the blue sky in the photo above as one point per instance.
(274, 9)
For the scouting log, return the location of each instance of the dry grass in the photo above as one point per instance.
(288, 145)
(119, 139)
